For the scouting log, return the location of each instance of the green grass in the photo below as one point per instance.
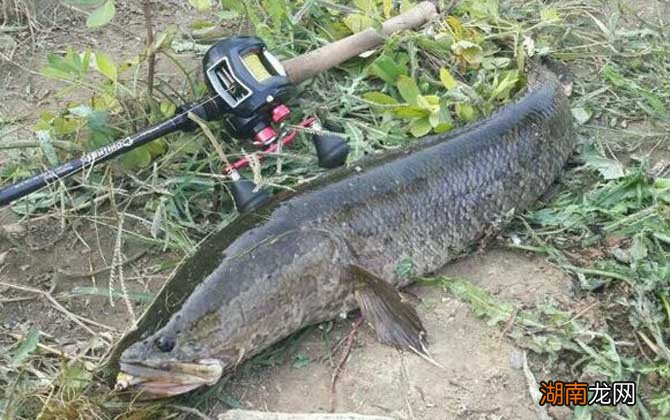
(609, 225)
(615, 210)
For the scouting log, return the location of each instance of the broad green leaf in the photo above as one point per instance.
(85, 61)
(156, 148)
(28, 345)
(336, 30)
(506, 85)
(137, 159)
(443, 127)
(55, 73)
(58, 62)
(168, 109)
(387, 69)
(420, 127)
(129, 63)
(408, 89)
(202, 25)
(95, 118)
(367, 6)
(66, 125)
(106, 66)
(492, 63)
(102, 15)
(201, 5)
(69, 67)
(410, 111)
(465, 112)
(433, 100)
(357, 23)
(447, 79)
(430, 105)
(468, 53)
(379, 98)
(581, 115)
(608, 168)
(482, 9)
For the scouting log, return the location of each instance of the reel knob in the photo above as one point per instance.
(331, 150)
(246, 195)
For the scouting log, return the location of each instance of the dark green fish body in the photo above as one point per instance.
(286, 267)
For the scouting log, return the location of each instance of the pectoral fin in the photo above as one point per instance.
(395, 322)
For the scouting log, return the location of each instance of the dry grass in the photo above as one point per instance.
(15, 14)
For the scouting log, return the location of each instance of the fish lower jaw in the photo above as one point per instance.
(180, 378)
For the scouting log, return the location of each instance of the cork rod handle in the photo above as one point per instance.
(314, 62)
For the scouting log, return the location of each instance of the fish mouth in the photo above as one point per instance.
(168, 379)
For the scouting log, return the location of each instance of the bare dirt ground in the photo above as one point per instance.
(482, 375)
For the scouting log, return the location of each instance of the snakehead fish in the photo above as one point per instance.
(335, 244)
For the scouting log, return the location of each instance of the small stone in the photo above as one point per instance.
(516, 359)
(14, 229)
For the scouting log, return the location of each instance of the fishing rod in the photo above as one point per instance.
(248, 88)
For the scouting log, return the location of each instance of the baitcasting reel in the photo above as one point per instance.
(248, 88)
(254, 87)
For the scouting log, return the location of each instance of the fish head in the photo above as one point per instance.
(242, 307)
(171, 362)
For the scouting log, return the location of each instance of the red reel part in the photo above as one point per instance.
(273, 146)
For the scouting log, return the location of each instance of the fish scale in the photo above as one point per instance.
(285, 267)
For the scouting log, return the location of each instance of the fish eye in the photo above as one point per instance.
(165, 343)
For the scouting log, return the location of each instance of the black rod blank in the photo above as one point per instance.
(180, 121)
